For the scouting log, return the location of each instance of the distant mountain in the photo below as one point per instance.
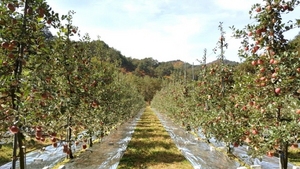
(153, 68)
(147, 66)
(177, 63)
(226, 62)
(180, 64)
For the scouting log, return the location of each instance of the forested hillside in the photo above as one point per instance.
(149, 74)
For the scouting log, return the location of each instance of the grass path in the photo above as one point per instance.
(151, 147)
(31, 145)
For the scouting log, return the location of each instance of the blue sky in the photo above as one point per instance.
(163, 29)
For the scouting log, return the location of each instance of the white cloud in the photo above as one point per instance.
(161, 29)
(236, 5)
(141, 7)
(141, 43)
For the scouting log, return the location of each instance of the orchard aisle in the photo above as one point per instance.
(102, 155)
(151, 147)
(197, 152)
(201, 156)
(108, 153)
(160, 134)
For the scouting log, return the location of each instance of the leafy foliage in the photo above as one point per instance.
(52, 86)
(255, 103)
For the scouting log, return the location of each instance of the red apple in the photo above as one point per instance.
(298, 111)
(49, 21)
(53, 134)
(13, 43)
(45, 95)
(272, 53)
(4, 63)
(285, 7)
(258, 31)
(53, 139)
(5, 45)
(244, 108)
(260, 62)
(254, 131)
(29, 11)
(294, 146)
(41, 12)
(277, 90)
(235, 144)
(254, 50)
(247, 140)
(263, 84)
(254, 62)
(258, 9)
(236, 106)
(270, 154)
(42, 139)
(274, 75)
(84, 146)
(39, 134)
(11, 7)
(54, 144)
(11, 55)
(276, 62)
(42, 103)
(94, 104)
(290, 8)
(262, 78)
(14, 129)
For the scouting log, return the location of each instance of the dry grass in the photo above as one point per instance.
(31, 145)
(151, 147)
(294, 156)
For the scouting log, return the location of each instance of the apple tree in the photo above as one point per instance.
(268, 93)
(22, 24)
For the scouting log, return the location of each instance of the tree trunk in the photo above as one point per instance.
(14, 158)
(91, 140)
(283, 156)
(21, 151)
(69, 136)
